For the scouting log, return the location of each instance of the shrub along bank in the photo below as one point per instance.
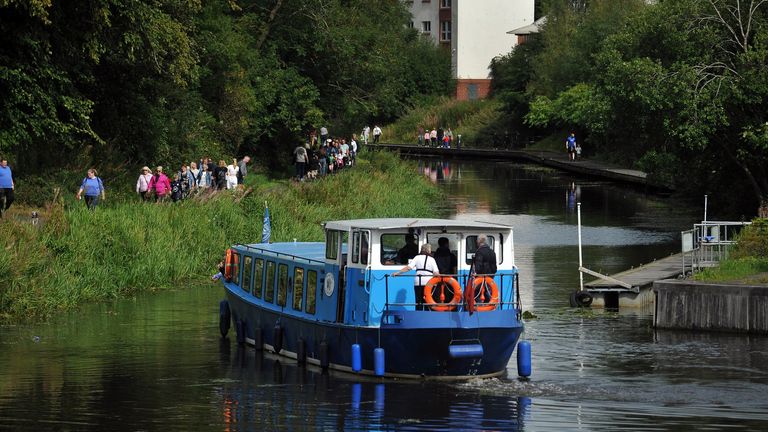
(125, 248)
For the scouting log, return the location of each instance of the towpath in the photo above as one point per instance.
(586, 167)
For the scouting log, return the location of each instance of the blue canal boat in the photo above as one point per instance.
(339, 305)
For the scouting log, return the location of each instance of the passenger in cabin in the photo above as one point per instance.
(410, 250)
(446, 260)
(426, 268)
(485, 258)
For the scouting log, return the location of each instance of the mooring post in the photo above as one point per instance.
(581, 264)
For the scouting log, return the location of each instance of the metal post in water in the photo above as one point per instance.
(581, 264)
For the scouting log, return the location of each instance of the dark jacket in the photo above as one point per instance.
(485, 260)
(446, 261)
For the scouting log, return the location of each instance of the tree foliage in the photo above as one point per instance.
(143, 81)
(679, 87)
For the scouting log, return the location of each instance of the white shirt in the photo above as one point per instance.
(377, 130)
(366, 130)
(354, 145)
(232, 170)
(425, 267)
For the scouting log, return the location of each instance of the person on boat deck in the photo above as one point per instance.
(426, 268)
(484, 261)
(446, 260)
(407, 252)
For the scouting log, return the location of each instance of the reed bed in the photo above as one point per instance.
(77, 256)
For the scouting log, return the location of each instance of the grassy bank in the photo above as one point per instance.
(124, 248)
(471, 119)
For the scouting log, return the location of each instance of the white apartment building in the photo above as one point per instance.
(475, 31)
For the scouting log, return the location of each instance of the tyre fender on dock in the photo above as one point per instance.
(580, 299)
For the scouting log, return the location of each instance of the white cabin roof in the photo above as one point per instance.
(405, 223)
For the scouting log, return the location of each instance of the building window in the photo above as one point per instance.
(472, 91)
(410, 24)
(445, 4)
(445, 31)
(426, 26)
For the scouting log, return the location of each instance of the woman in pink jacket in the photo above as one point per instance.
(160, 185)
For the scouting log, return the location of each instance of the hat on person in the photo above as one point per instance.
(146, 169)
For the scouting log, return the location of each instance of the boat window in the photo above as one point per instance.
(298, 288)
(311, 291)
(236, 268)
(282, 284)
(500, 252)
(247, 270)
(258, 277)
(269, 291)
(398, 248)
(364, 248)
(445, 261)
(356, 247)
(472, 246)
(332, 244)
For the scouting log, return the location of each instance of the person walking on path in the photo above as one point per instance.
(426, 268)
(142, 184)
(570, 146)
(242, 170)
(300, 153)
(7, 186)
(93, 188)
(160, 185)
(376, 134)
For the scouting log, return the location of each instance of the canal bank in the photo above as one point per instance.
(583, 167)
(693, 305)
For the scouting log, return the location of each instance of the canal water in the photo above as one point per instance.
(157, 362)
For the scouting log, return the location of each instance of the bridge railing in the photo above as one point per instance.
(708, 243)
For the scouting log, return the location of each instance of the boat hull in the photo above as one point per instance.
(416, 343)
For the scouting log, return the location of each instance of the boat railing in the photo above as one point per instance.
(505, 300)
(280, 254)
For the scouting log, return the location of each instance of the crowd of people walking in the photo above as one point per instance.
(437, 137)
(322, 154)
(191, 179)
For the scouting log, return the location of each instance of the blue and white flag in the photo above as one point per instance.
(266, 230)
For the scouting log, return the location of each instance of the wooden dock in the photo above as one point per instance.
(632, 288)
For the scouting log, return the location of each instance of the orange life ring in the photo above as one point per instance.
(442, 281)
(494, 300)
(230, 264)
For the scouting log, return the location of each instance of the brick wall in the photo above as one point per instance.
(483, 87)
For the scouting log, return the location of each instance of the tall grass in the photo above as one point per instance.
(468, 118)
(124, 248)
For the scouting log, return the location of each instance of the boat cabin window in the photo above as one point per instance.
(356, 247)
(446, 261)
(311, 291)
(236, 268)
(360, 247)
(364, 247)
(298, 288)
(332, 240)
(269, 290)
(258, 277)
(282, 284)
(397, 249)
(472, 246)
(247, 270)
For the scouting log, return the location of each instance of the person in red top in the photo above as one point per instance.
(160, 185)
